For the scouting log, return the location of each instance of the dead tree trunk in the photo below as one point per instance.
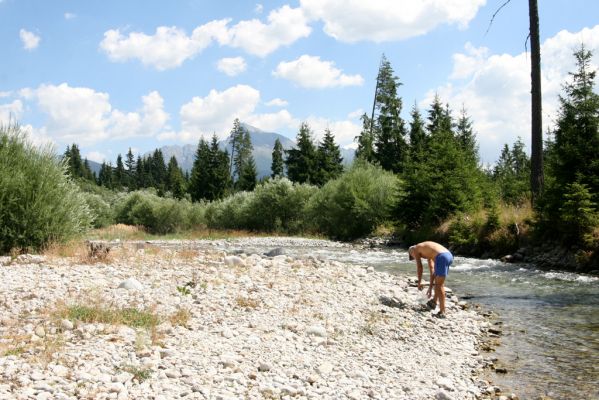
(536, 136)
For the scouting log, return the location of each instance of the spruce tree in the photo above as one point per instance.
(277, 166)
(130, 165)
(175, 182)
(198, 185)
(119, 176)
(576, 155)
(301, 161)
(220, 177)
(389, 128)
(466, 137)
(329, 160)
(418, 137)
(365, 150)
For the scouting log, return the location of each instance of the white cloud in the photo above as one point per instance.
(277, 103)
(273, 122)
(5, 94)
(495, 88)
(203, 116)
(85, 116)
(232, 66)
(355, 114)
(69, 15)
(387, 20)
(259, 8)
(310, 72)
(11, 112)
(344, 131)
(168, 48)
(285, 26)
(96, 156)
(30, 40)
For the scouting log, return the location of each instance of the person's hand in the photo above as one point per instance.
(419, 286)
(429, 292)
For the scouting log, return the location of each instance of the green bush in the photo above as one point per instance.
(39, 204)
(158, 214)
(103, 214)
(274, 206)
(278, 205)
(354, 204)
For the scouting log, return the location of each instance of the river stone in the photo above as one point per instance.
(66, 325)
(40, 331)
(264, 367)
(442, 395)
(234, 261)
(131, 284)
(316, 330)
(325, 368)
(279, 251)
(445, 383)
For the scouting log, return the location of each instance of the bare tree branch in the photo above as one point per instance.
(495, 14)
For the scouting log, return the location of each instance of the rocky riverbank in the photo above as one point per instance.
(163, 321)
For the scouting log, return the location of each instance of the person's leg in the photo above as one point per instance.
(440, 292)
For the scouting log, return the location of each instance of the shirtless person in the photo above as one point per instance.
(439, 259)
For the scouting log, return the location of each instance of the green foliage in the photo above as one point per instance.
(578, 212)
(354, 204)
(512, 174)
(38, 202)
(365, 150)
(102, 212)
(175, 181)
(274, 206)
(277, 164)
(328, 159)
(390, 148)
(443, 179)
(157, 214)
(210, 177)
(301, 161)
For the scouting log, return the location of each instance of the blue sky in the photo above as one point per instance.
(111, 75)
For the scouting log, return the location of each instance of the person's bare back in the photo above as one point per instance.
(428, 250)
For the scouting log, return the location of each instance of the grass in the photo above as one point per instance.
(180, 317)
(247, 302)
(132, 317)
(139, 373)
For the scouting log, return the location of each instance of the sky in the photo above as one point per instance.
(113, 75)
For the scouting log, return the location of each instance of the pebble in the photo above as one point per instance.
(318, 329)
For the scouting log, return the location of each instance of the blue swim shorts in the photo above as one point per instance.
(442, 263)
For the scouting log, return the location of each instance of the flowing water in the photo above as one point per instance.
(550, 319)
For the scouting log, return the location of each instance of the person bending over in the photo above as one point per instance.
(439, 259)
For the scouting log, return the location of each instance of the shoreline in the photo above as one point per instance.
(256, 327)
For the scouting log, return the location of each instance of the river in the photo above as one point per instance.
(550, 319)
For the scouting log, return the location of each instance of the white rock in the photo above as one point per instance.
(234, 261)
(316, 330)
(66, 325)
(131, 284)
(325, 368)
(445, 383)
(40, 331)
(442, 395)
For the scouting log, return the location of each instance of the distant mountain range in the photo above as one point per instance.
(262, 141)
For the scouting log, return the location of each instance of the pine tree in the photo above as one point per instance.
(248, 174)
(365, 150)
(130, 165)
(301, 161)
(277, 165)
(175, 182)
(140, 174)
(105, 178)
(119, 175)
(198, 185)
(418, 137)
(220, 177)
(158, 170)
(512, 173)
(88, 174)
(389, 128)
(466, 137)
(329, 160)
(577, 134)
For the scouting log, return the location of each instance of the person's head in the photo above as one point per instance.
(411, 251)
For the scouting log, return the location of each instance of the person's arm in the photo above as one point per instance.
(419, 270)
(431, 267)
